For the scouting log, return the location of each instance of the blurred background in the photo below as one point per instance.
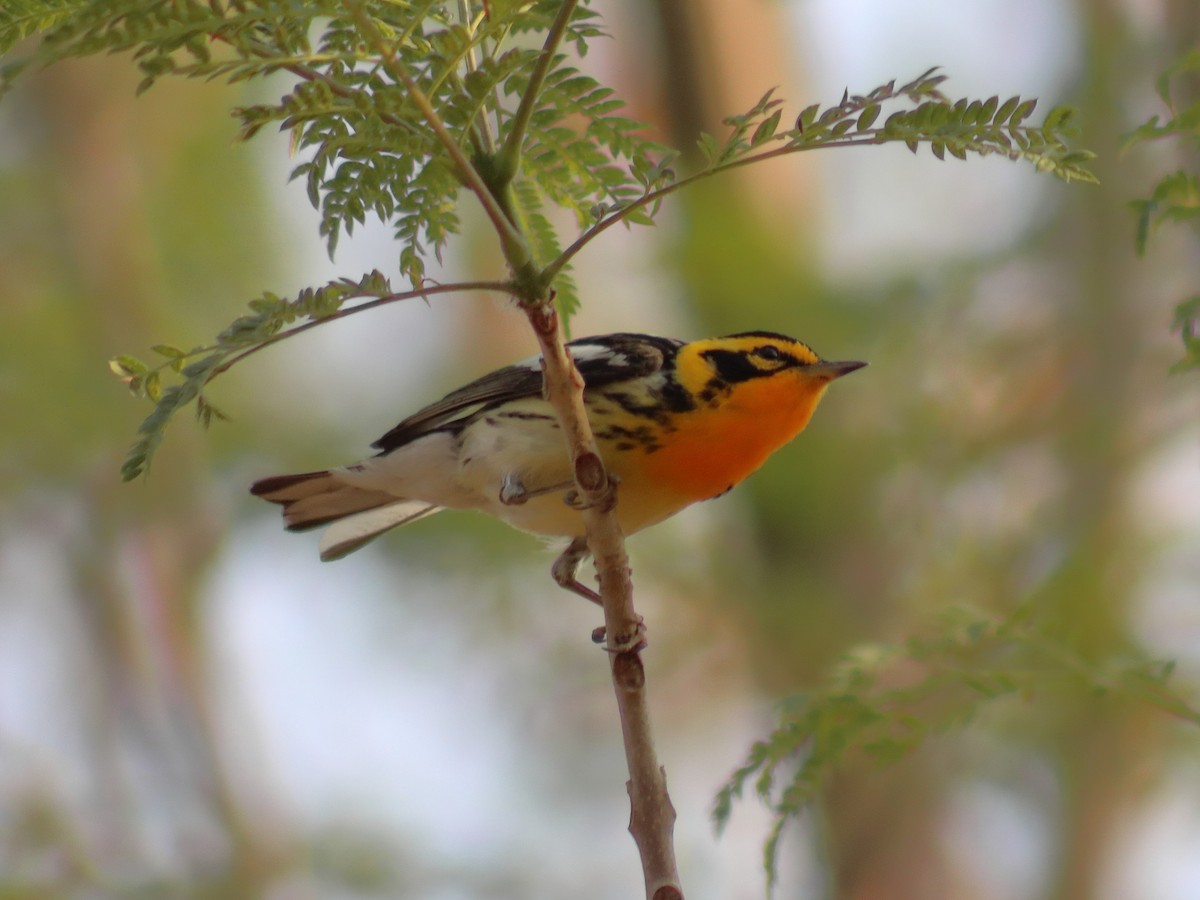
(192, 705)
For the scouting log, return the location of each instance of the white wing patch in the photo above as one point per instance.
(581, 352)
(586, 352)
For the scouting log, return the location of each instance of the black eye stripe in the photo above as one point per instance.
(732, 366)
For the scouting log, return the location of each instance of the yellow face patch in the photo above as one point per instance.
(708, 368)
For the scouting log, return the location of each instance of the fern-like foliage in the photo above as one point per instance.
(368, 145)
(178, 377)
(881, 702)
(926, 116)
(1176, 196)
(959, 127)
(530, 210)
(20, 19)
(395, 107)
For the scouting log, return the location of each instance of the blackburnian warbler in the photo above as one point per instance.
(675, 422)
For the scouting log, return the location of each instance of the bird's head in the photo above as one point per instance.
(756, 368)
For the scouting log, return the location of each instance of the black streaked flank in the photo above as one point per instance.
(673, 397)
(629, 438)
(523, 415)
(648, 410)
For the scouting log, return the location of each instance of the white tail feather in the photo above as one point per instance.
(347, 535)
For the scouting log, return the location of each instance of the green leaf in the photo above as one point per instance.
(168, 351)
(831, 115)
(21, 19)
(366, 84)
(1022, 112)
(1187, 323)
(1007, 108)
(868, 116)
(206, 412)
(896, 123)
(1057, 119)
(126, 366)
(988, 109)
(1144, 209)
(153, 386)
(807, 116)
(1189, 63)
(969, 662)
(766, 129)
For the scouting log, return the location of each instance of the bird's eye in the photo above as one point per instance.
(769, 352)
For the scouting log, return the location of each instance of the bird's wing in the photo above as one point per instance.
(602, 360)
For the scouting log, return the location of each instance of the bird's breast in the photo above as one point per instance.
(715, 447)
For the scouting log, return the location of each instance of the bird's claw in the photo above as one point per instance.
(634, 642)
(607, 502)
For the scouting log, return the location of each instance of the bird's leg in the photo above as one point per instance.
(564, 572)
(513, 491)
(566, 567)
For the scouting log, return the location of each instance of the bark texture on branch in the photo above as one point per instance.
(652, 817)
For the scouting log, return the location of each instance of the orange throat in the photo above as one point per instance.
(721, 445)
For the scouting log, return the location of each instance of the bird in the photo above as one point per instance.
(675, 423)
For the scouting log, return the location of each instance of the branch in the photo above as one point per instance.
(652, 817)
(871, 137)
(503, 286)
(651, 197)
(981, 127)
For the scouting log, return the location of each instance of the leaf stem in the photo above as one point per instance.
(870, 136)
(509, 158)
(555, 265)
(504, 286)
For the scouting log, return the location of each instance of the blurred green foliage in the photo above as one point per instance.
(1176, 196)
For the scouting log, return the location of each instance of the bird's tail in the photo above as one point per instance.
(354, 515)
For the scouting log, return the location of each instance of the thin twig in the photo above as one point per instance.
(343, 313)
(511, 153)
(555, 266)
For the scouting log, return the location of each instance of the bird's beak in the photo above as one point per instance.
(832, 370)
